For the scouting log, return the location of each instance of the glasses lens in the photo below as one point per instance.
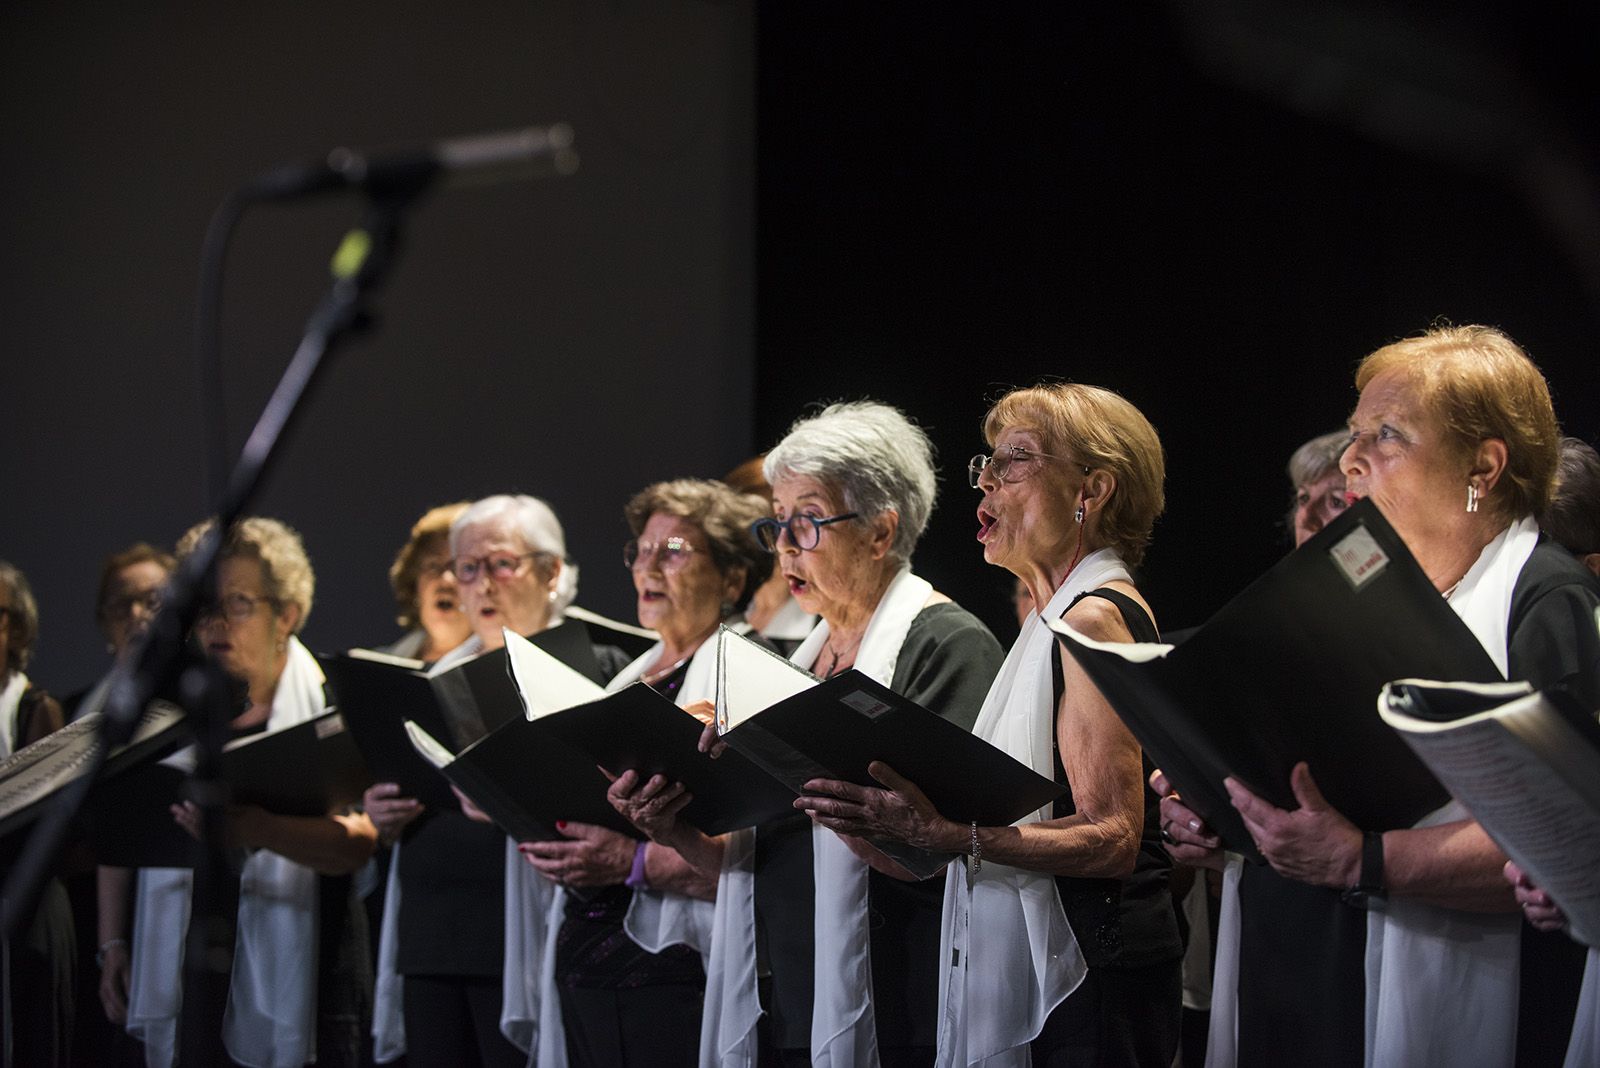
(504, 567)
(466, 570)
(805, 531)
(975, 468)
(766, 533)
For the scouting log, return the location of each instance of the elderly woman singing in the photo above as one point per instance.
(1455, 439)
(852, 954)
(1059, 940)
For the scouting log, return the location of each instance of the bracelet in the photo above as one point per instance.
(636, 879)
(100, 954)
(1369, 891)
(976, 851)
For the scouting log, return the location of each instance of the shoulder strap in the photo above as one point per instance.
(1138, 621)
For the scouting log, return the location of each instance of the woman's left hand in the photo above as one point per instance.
(1537, 905)
(1313, 844)
(587, 856)
(899, 810)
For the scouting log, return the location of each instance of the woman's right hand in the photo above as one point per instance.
(1184, 834)
(652, 807)
(115, 968)
(388, 811)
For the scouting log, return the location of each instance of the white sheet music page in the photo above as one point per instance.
(546, 684)
(751, 677)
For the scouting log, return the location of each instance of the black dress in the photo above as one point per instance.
(452, 918)
(1126, 1011)
(947, 663)
(1296, 938)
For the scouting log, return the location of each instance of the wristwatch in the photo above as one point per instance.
(1369, 892)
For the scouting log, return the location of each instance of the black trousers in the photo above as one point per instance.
(454, 1020)
(1117, 1016)
(644, 1027)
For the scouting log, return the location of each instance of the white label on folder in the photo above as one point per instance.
(865, 703)
(1359, 557)
(327, 728)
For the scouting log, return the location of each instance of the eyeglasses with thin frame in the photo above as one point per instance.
(234, 607)
(804, 530)
(670, 555)
(999, 464)
(502, 567)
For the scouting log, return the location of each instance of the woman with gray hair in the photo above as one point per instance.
(1318, 485)
(852, 954)
(458, 957)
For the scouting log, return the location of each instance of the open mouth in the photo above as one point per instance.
(1350, 498)
(986, 523)
(652, 596)
(797, 585)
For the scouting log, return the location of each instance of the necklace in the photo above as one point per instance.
(838, 655)
(650, 678)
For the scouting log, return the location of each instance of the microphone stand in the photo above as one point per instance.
(359, 266)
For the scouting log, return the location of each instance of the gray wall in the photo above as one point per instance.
(573, 338)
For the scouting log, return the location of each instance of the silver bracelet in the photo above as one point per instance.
(100, 954)
(976, 852)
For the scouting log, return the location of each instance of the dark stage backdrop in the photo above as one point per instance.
(573, 338)
(1215, 209)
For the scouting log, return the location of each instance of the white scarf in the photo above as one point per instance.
(10, 701)
(843, 1029)
(271, 1018)
(1429, 970)
(1015, 955)
(1442, 984)
(1584, 1049)
(657, 920)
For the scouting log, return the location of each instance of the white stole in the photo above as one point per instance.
(844, 1032)
(655, 919)
(270, 1020)
(10, 702)
(1007, 953)
(1442, 984)
(1583, 1051)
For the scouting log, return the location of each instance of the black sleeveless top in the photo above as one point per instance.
(1121, 923)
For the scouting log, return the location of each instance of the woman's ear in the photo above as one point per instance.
(1098, 486)
(1488, 465)
(288, 620)
(733, 583)
(884, 528)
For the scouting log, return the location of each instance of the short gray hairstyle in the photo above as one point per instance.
(1317, 458)
(540, 530)
(877, 458)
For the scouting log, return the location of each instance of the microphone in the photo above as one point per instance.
(476, 159)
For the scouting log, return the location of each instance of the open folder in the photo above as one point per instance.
(524, 777)
(797, 728)
(311, 768)
(1527, 766)
(1290, 670)
(35, 774)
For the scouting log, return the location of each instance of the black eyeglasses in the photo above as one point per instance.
(1006, 459)
(804, 530)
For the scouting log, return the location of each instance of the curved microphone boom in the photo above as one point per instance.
(476, 159)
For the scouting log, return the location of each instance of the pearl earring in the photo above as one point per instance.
(1078, 515)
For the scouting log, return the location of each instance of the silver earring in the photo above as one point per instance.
(1472, 497)
(726, 609)
(1078, 515)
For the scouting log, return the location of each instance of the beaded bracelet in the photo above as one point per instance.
(977, 851)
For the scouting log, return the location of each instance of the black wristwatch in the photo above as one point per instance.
(1368, 893)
